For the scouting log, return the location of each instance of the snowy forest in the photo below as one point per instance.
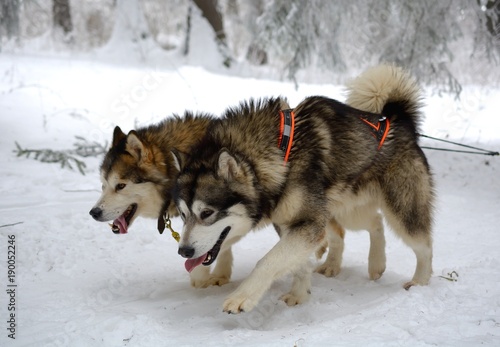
(444, 43)
(73, 70)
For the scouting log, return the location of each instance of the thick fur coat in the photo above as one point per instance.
(338, 175)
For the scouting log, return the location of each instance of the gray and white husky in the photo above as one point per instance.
(307, 170)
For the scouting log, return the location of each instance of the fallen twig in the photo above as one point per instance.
(10, 225)
(452, 276)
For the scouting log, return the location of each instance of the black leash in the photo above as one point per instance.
(478, 150)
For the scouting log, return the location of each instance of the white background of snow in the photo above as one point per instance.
(81, 285)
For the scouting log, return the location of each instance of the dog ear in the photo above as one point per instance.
(179, 158)
(136, 147)
(228, 167)
(118, 135)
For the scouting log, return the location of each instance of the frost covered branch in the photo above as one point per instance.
(67, 158)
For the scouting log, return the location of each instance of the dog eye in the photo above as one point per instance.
(205, 214)
(120, 186)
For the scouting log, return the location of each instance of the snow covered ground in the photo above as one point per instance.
(78, 284)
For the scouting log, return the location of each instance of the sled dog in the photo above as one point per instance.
(138, 175)
(138, 171)
(309, 171)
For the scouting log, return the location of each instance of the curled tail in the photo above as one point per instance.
(386, 89)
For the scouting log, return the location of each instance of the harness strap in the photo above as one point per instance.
(379, 130)
(287, 127)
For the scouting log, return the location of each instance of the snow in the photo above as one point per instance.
(78, 284)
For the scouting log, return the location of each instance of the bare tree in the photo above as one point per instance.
(210, 11)
(422, 43)
(491, 11)
(185, 50)
(9, 18)
(62, 16)
(487, 34)
(301, 33)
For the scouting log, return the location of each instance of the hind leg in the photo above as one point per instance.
(366, 217)
(301, 287)
(423, 271)
(420, 242)
(408, 208)
(376, 257)
(335, 237)
(361, 218)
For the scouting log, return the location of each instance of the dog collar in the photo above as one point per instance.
(380, 129)
(164, 221)
(287, 127)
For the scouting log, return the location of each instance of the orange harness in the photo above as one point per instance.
(287, 128)
(379, 130)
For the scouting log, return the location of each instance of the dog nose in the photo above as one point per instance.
(186, 252)
(96, 213)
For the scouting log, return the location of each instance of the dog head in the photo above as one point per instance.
(217, 200)
(135, 179)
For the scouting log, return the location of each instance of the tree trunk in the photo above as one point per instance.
(62, 16)
(9, 18)
(214, 18)
(493, 18)
(188, 31)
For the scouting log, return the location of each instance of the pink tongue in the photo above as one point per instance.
(192, 263)
(121, 223)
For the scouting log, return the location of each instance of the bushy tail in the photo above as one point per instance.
(386, 89)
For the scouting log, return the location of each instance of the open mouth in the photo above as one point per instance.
(209, 257)
(120, 224)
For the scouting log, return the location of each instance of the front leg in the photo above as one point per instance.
(223, 268)
(289, 254)
(200, 276)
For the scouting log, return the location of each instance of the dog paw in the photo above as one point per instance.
(328, 270)
(198, 283)
(293, 300)
(218, 281)
(200, 276)
(208, 282)
(414, 282)
(375, 273)
(238, 304)
(409, 284)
